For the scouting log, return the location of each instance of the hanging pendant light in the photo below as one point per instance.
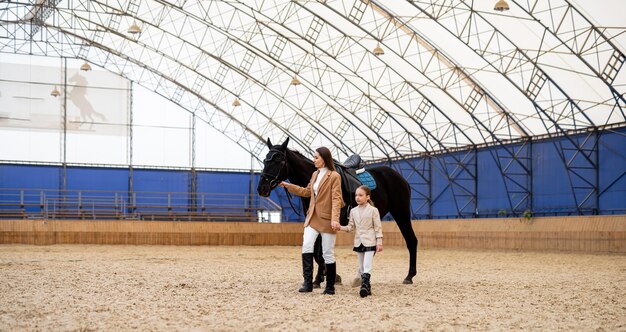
(85, 67)
(236, 102)
(378, 50)
(134, 28)
(501, 6)
(295, 80)
(55, 92)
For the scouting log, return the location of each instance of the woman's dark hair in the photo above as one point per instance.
(327, 157)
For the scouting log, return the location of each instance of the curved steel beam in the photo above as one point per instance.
(326, 133)
(399, 23)
(154, 49)
(274, 62)
(532, 91)
(465, 77)
(170, 76)
(536, 85)
(329, 67)
(329, 56)
(482, 50)
(588, 44)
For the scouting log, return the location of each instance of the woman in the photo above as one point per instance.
(324, 189)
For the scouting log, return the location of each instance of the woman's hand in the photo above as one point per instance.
(283, 184)
(379, 247)
(335, 226)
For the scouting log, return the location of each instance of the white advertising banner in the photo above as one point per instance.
(94, 104)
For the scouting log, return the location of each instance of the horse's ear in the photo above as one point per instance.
(284, 145)
(269, 143)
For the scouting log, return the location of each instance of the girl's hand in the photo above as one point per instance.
(379, 247)
(283, 184)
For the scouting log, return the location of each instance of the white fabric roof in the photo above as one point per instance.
(454, 74)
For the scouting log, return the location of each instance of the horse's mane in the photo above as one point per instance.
(298, 153)
(308, 160)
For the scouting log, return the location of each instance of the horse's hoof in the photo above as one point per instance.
(316, 285)
(338, 279)
(356, 282)
(407, 281)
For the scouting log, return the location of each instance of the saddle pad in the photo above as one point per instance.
(366, 178)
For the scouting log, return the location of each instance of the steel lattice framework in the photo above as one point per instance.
(455, 76)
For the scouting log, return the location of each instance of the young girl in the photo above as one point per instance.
(368, 237)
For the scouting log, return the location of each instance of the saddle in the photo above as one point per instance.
(349, 182)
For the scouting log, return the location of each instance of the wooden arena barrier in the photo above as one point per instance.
(580, 233)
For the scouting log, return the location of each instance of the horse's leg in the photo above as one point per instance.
(319, 259)
(321, 266)
(403, 219)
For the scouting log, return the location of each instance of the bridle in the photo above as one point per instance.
(275, 178)
(283, 165)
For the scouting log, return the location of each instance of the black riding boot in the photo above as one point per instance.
(307, 273)
(331, 274)
(366, 288)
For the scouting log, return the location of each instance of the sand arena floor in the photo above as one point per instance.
(148, 288)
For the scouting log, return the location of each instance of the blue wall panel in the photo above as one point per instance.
(30, 176)
(443, 203)
(160, 180)
(579, 152)
(453, 185)
(551, 187)
(612, 186)
(492, 194)
(229, 185)
(98, 187)
(224, 182)
(175, 183)
(416, 172)
(41, 178)
(555, 190)
(97, 178)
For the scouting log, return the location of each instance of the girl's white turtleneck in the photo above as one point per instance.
(319, 178)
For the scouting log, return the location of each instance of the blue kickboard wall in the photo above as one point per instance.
(462, 184)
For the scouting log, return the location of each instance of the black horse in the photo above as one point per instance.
(392, 193)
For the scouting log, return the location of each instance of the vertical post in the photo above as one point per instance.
(115, 207)
(64, 147)
(63, 175)
(169, 201)
(430, 186)
(530, 176)
(251, 190)
(134, 202)
(41, 204)
(596, 147)
(476, 210)
(193, 185)
(130, 195)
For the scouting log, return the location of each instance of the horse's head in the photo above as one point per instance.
(274, 168)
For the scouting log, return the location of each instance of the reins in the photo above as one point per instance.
(290, 203)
